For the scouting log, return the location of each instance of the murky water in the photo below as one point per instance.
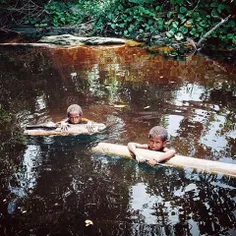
(52, 185)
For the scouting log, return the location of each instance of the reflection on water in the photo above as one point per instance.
(51, 185)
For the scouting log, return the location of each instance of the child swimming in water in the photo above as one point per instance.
(157, 139)
(74, 116)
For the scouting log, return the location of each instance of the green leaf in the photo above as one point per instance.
(234, 40)
(190, 21)
(159, 21)
(196, 15)
(175, 24)
(129, 19)
(122, 25)
(202, 23)
(113, 26)
(170, 33)
(169, 14)
(123, 16)
(110, 16)
(222, 37)
(220, 8)
(120, 7)
(193, 31)
(179, 36)
(130, 29)
(32, 21)
(168, 22)
(183, 9)
(181, 17)
(230, 36)
(200, 29)
(183, 29)
(150, 21)
(231, 23)
(214, 4)
(214, 13)
(153, 30)
(158, 8)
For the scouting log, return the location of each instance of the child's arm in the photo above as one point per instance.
(168, 153)
(133, 148)
(63, 125)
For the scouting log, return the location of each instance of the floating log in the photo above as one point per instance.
(52, 129)
(214, 167)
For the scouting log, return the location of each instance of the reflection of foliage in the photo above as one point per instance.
(191, 201)
(4, 116)
(98, 189)
(71, 187)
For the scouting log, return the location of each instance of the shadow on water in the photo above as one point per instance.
(56, 186)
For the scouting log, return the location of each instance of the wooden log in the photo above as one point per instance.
(214, 167)
(73, 129)
(46, 45)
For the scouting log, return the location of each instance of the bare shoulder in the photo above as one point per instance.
(86, 120)
(171, 150)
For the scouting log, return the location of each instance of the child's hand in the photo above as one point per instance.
(90, 127)
(64, 126)
(140, 158)
(151, 162)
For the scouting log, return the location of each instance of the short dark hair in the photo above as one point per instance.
(74, 108)
(158, 131)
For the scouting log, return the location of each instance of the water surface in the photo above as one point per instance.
(52, 185)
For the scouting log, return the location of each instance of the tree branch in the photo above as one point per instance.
(210, 31)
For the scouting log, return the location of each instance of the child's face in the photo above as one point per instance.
(156, 143)
(74, 118)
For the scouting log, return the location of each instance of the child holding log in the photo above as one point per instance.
(74, 116)
(157, 139)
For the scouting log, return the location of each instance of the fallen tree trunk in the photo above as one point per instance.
(73, 129)
(45, 45)
(215, 167)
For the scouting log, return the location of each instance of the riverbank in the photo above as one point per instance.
(71, 36)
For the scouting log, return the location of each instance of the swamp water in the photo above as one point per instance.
(56, 186)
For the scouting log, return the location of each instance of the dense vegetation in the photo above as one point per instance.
(157, 22)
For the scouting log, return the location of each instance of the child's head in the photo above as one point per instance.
(157, 138)
(74, 113)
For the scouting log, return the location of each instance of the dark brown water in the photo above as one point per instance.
(52, 185)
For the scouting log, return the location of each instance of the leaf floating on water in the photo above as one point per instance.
(88, 222)
(146, 107)
(120, 105)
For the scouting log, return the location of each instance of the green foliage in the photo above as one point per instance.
(68, 13)
(177, 19)
(144, 19)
